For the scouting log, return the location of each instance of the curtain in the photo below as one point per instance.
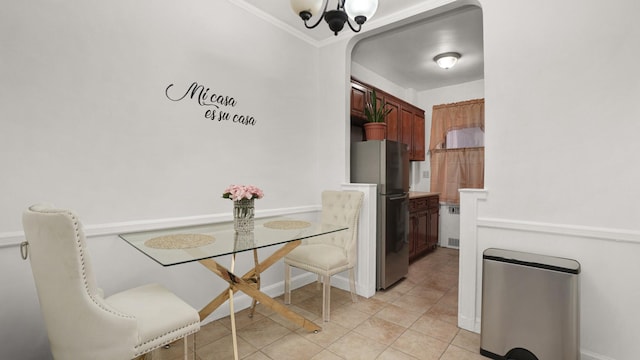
(454, 169)
(447, 117)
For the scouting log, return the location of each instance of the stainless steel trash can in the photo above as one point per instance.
(530, 306)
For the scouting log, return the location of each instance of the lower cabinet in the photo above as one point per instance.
(424, 216)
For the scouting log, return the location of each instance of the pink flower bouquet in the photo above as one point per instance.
(239, 192)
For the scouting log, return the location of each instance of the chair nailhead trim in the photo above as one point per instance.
(167, 341)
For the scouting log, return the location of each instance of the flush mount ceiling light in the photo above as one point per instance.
(357, 10)
(447, 60)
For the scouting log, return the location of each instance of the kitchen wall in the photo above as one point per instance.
(363, 74)
(91, 122)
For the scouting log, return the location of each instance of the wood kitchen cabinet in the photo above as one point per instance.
(393, 119)
(424, 216)
(413, 131)
(406, 129)
(405, 122)
(418, 136)
(359, 95)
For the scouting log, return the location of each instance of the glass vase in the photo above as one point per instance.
(243, 213)
(244, 241)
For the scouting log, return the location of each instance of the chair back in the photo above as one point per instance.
(80, 325)
(342, 208)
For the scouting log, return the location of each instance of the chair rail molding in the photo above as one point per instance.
(14, 238)
(608, 234)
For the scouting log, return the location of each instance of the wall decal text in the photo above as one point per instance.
(203, 97)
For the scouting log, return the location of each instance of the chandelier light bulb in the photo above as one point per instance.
(311, 7)
(360, 9)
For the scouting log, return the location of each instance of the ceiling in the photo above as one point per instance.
(405, 55)
(402, 55)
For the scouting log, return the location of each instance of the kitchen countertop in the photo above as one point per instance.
(419, 194)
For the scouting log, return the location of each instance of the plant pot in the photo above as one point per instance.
(375, 131)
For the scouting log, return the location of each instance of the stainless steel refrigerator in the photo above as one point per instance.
(386, 164)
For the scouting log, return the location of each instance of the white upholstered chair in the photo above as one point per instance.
(80, 322)
(332, 253)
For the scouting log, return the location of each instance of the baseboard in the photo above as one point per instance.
(243, 301)
(337, 281)
(469, 324)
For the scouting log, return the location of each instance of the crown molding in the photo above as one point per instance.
(275, 22)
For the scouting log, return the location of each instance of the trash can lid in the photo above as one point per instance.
(534, 260)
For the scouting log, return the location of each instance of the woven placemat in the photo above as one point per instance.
(179, 241)
(287, 224)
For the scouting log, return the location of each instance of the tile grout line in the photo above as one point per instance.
(425, 274)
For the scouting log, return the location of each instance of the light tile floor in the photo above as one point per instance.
(415, 319)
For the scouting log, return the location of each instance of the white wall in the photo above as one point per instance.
(367, 76)
(86, 125)
(561, 145)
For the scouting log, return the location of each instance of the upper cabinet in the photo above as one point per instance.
(359, 95)
(393, 118)
(405, 122)
(418, 135)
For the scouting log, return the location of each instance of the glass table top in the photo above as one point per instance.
(180, 245)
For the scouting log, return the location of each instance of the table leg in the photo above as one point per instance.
(277, 307)
(241, 284)
(257, 280)
(232, 314)
(215, 303)
(272, 259)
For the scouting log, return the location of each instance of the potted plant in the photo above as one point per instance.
(375, 128)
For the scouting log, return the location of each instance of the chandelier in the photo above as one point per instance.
(357, 10)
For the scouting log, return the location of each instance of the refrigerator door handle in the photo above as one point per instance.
(398, 197)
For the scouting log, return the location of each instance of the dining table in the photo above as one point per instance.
(206, 243)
